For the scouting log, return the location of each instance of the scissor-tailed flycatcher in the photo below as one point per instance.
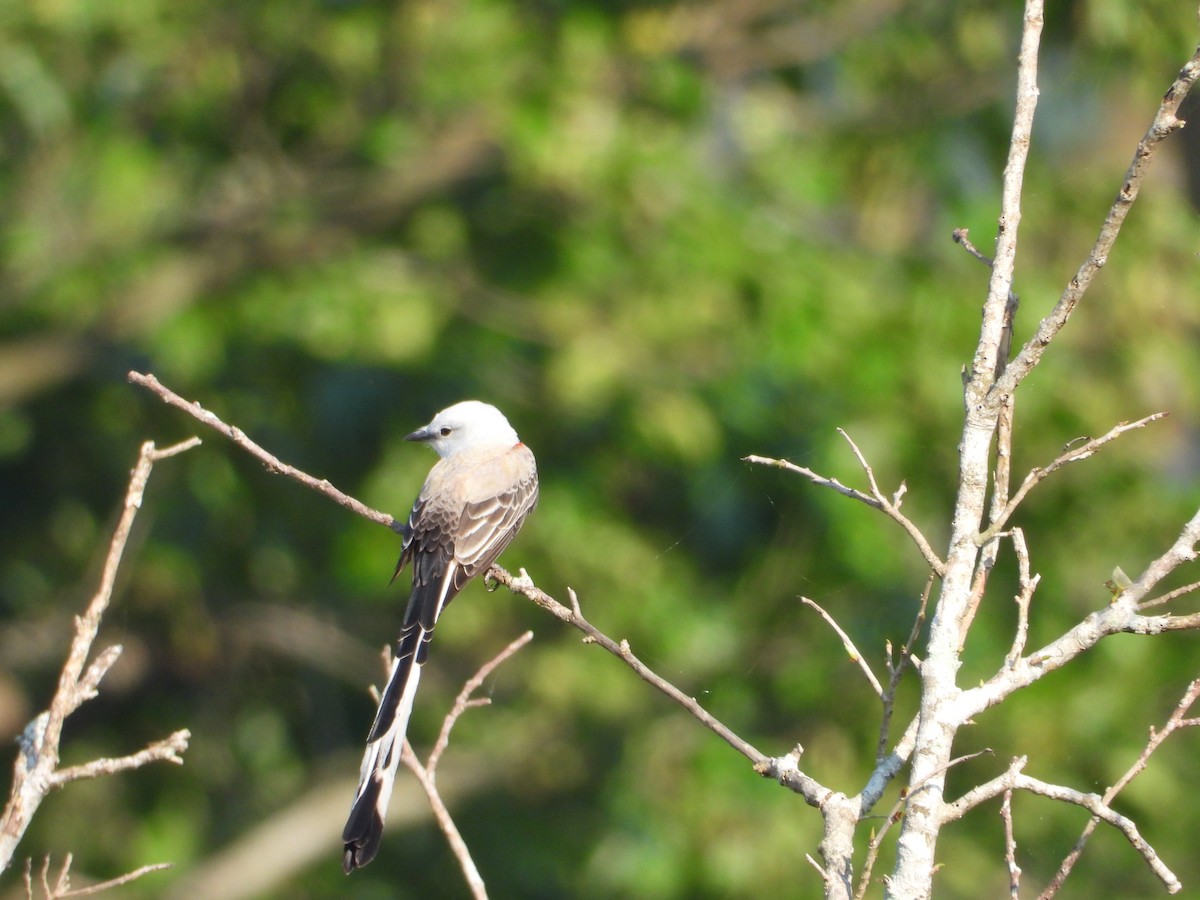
(472, 504)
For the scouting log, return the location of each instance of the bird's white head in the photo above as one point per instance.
(466, 426)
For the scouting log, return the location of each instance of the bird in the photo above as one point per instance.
(474, 501)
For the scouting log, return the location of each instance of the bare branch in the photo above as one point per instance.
(873, 845)
(786, 771)
(893, 509)
(445, 822)
(114, 882)
(1169, 596)
(62, 884)
(875, 500)
(1176, 721)
(1069, 455)
(524, 586)
(273, 463)
(1099, 809)
(427, 773)
(996, 309)
(1010, 847)
(35, 770)
(170, 749)
(1015, 779)
(90, 682)
(814, 478)
(895, 815)
(1027, 584)
(896, 672)
(816, 865)
(1165, 122)
(962, 236)
(982, 793)
(1118, 616)
(848, 644)
(463, 701)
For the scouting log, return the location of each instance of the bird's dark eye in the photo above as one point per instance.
(445, 432)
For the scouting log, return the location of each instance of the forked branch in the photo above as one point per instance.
(427, 773)
(35, 771)
(876, 499)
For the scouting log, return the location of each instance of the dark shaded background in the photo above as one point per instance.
(660, 236)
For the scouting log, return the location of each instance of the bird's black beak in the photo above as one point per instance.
(421, 434)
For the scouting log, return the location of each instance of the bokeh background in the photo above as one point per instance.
(661, 236)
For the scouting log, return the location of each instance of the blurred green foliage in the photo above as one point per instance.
(660, 236)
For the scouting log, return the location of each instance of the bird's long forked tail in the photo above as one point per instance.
(364, 827)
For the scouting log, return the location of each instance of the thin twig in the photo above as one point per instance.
(962, 236)
(1010, 847)
(997, 311)
(62, 887)
(1170, 595)
(848, 644)
(1001, 480)
(463, 701)
(896, 671)
(874, 843)
(1069, 455)
(573, 615)
(273, 463)
(170, 749)
(875, 500)
(1027, 584)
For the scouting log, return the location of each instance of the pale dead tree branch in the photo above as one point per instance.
(1010, 847)
(873, 845)
(892, 508)
(1177, 720)
(841, 813)
(573, 615)
(1117, 617)
(848, 644)
(896, 671)
(90, 681)
(1016, 780)
(1072, 453)
(427, 773)
(912, 875)
(1027, 584)
(170, 749)
(944, 706)
(463, 701)
(35, 771)
(876, 499)
(1002, 506)
(1165, 122)
(441, 814)
(273, 463)
(62, 884)
(895, 815)
(962, 236)
(1169, 596)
